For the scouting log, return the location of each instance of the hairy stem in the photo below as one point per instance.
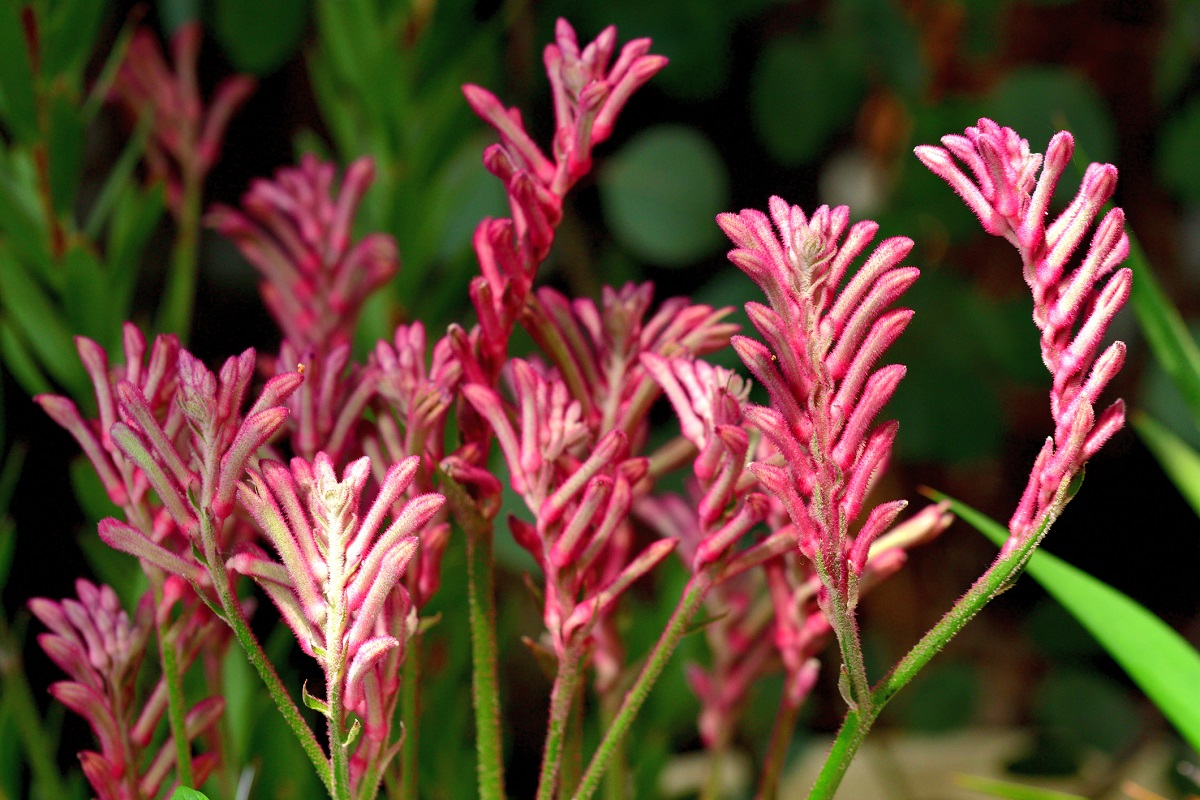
(176, 705)
(857, 723)
(410, 717)
(689, 604)
(561, 697)
(481, 600)
(616, 776)
(179, 293)
(232, 613)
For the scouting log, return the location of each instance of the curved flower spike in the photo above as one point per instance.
(339, 584)
(823, 340)
(297, 234)
(1072, 308)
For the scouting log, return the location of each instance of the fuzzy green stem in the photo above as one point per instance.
(689, 604)
(410, 717)
(716, 762)
(616, 776)
(572, 760)
(176, 705)
(339, 755)
(485, 681)
(857, 686)
(179, 293)
(561, 697)
(857, 723)
(481, 601)
(232, 612)
(777, 749)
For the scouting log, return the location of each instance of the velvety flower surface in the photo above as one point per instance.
(338, 583)
(823, 341)
(1010, 190)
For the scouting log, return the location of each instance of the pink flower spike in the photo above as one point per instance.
(590, 608)
(118, 535)
(1070, 309)
(186, 137)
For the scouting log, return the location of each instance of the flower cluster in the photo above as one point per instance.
(822, 345)
(338, 585)
(93, 640)
(297, 234)
(1071, 308)
(186, 136)
(589, 93)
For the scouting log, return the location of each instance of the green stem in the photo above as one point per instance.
(176, 705)
(616, 776)
(232, 612)
(689, 604)
(339, 755)
(485, 681)
(716, 764)
(777, 749)
(481, 599)
(410, 717)
(856, 686)
(561, 697)
(572, 761)
(857, 723)
(179, 293)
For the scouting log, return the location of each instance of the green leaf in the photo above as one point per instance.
(184, 793)
(1160, 661)
(69, 36)
(87, 298)
(21, 217)
(1088, 708)
(1010, 790)
(119, 179)
(28, 307)
(662, 192)
(1172, 344)
(17, 107)
(802, 92)
(1175, 456)
(315, 703)
(65, 143)
(20, 362)
(942, 699)
(260, 36)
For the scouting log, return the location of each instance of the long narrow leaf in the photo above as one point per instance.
(1160, 661)
(1175, 456)
(118, 179)
(29, 309)
(1165, 330)
(1010, 790)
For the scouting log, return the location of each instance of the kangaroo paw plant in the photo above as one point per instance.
(319, 489)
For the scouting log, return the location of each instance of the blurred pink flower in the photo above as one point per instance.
(93, 640)
(186, 136)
